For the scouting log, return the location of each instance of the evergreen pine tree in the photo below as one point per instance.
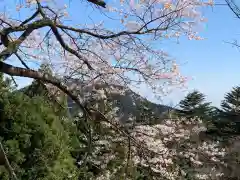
(231, 103)
(194, 105)
(230, 110)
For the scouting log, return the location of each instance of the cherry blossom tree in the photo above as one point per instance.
(181, 150)
(99, 52)
(122, 49)
(173, 149)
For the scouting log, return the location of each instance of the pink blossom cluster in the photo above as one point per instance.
(175, 141)
(172, 150)
(123, 54)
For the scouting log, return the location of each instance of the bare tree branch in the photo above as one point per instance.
(98, 3)
(22, 72)
(234, 7)
(52, 97)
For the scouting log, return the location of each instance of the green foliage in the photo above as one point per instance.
(58, 103)
(231, 102)
(194, 105)
(229, 114)
(34, 138)
(192, 100)
(145, 113)
(37, 88)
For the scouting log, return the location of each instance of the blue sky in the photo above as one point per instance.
(213, 64)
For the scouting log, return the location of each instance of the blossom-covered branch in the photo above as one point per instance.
(120, 50)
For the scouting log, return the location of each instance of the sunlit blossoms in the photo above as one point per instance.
(122, 53)
(176, 150)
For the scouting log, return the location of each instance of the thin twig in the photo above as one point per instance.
(7, 163)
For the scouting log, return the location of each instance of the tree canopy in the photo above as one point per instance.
(34, 139)
(194, 105)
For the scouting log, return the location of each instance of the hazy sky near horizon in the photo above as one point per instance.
(213, 64)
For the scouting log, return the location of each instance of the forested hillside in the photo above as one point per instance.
(169, 149)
